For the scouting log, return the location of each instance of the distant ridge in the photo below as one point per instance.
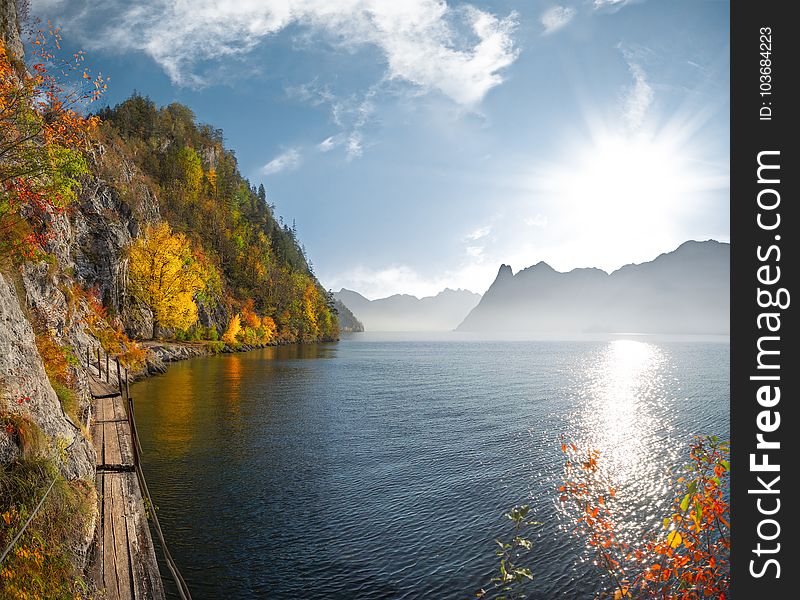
(348, 323)
(683, 291)
(402, 312)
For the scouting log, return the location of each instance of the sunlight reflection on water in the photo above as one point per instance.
(623, 406)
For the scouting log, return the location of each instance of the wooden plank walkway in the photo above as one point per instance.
(124, 561)
(111, 434)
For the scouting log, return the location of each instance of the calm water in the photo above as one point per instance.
(381, 468)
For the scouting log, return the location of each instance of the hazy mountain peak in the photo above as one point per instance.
(540, 267)
(403, 312)
(683, 291)
(505, 271)
(456, 292)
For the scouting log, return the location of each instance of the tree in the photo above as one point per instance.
(42, 136)
(165, 275)
(234, 327)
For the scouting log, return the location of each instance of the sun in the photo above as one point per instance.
(625, 193)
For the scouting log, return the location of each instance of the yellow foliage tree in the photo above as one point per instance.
(165, 275)
(269, 327)
(211, 178)
(234, 327)
(190, 172)
(311, 299)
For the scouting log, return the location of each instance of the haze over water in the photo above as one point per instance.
(380, 467)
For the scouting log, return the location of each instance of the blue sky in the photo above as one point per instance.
(419, 144)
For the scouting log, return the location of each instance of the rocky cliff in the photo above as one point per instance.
(41, 319)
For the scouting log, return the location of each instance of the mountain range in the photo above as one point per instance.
(402, 312)
(686, 291)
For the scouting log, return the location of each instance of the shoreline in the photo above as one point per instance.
(160, 353)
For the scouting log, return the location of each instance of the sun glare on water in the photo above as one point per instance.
(621, 416)
(627, 387)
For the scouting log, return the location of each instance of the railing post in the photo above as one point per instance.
(127, 387)
(119, 376)
(134, 438)
(108, 371)
(99, 365)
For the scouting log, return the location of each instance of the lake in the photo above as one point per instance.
(381, 466)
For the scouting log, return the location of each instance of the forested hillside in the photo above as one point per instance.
(252, 264)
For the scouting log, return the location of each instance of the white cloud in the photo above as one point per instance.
(639, 97)
(283, 162)
(354, 145)
(610, 3)
(556, 17)
(458, 51)
(612, 6)
(480, 232)
(327, 144)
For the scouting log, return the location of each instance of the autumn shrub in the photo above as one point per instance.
(24, 433)
(57, 360)
(688, 558)
(196, 333)
(39, 565)
(216, 347)
(233, 330)
(112, 338)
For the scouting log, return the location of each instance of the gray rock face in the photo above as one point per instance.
(103, 225)
(213, 314)
(9, 27)
(25, 390)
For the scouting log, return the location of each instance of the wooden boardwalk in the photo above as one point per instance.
(124, 563)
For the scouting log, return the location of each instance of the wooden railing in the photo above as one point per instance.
(95, 358)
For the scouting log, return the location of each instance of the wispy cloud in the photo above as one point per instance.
(459, 51)
(327, 144)
(352, 114)
(598, 4)
(612, 6)
(639, 96)
(556, 17)
(355, 145)
(480, 232)
(285, 161)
